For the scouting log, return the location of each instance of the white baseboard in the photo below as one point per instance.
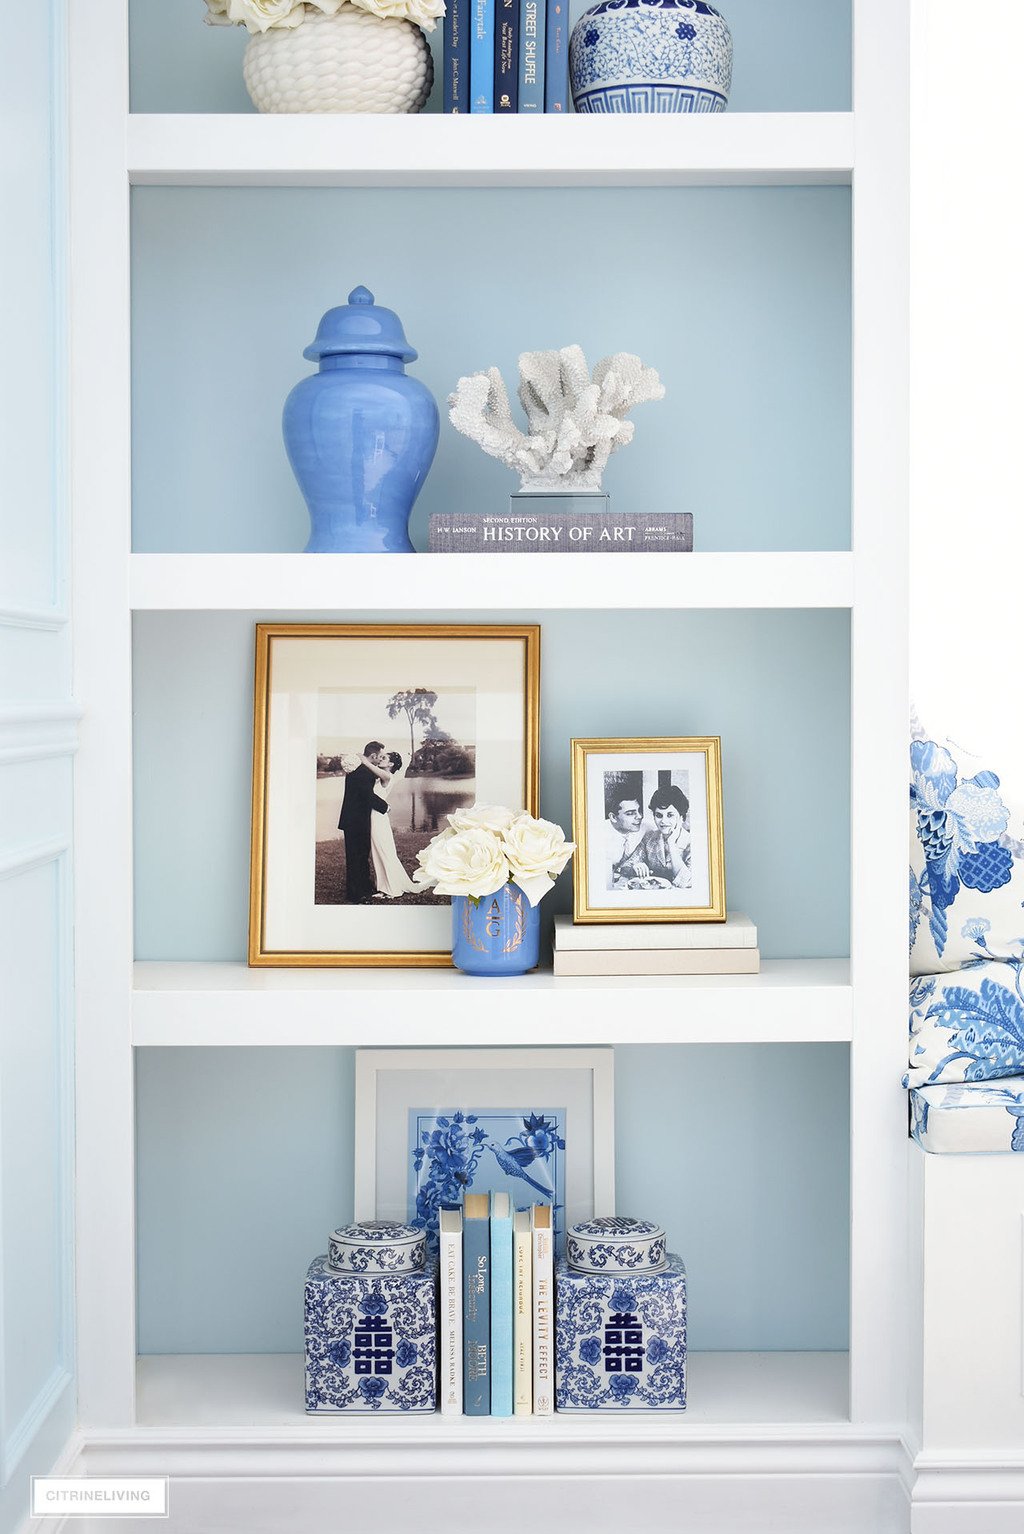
(268, 1484)
(271, 1482)
(958, 1496)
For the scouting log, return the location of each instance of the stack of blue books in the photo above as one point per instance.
(506, 56)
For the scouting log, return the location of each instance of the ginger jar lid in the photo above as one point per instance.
(363, 326)
(377, 1246)
(616, 1244)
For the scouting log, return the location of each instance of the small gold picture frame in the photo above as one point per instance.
(365, 737)
(647, 823)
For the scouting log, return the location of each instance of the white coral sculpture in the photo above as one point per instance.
(575, 421)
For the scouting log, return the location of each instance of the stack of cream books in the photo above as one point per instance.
(657, 948)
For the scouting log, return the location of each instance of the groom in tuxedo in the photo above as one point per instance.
(358, 805)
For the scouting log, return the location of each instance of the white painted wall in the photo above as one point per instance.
(37, 735)
(967, 377)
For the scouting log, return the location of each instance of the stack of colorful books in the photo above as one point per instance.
(506, 56)
(497, 1313)
(657, 948)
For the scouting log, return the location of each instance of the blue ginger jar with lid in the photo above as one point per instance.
(651, 56)
(360, 434)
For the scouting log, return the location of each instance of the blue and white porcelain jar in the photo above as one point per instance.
(651, 56)
(620, 1332)
(497, 934)
(370, 1322)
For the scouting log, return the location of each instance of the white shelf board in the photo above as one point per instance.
(264, 1392)
(790, 1001)
(502, 582)
(732, 148)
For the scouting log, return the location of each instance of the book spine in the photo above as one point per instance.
(736, 932)
(506, 56)
(532, 15)
(450, 1360)
(543, 1325)
(556, 59)
(522, 1323)
(481, 57)
(501, 1317)
(651, 961)
(456, 56)
(561, 533)
(476, 1317)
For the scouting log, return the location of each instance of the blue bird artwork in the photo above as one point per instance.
(448, 1160)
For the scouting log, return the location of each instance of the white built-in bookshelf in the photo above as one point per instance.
(811, 1435)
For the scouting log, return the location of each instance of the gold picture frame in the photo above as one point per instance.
(319, 688)
(613, 883)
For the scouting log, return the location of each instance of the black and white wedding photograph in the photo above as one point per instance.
(390, 768)
(648, 828)
(366, 738)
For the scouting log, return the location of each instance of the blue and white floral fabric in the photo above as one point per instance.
(968, 1026)
(966, 859)
(969, 1117)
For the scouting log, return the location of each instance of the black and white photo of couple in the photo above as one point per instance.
(391, 802)
(647, 816)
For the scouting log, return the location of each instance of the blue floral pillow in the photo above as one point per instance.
(968, 1026)
(966, 860)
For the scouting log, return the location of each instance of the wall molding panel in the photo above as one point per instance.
(36, 731)
(39, 723)
(55, 1387)
(51, 620)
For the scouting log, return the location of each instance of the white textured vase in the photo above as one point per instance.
(349, 62)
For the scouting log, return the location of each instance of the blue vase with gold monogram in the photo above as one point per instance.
(498, 934)
(360, 434)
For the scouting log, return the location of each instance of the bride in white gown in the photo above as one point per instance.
(389, 876)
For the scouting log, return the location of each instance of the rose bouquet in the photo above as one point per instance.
(261, 15)
(488, 846)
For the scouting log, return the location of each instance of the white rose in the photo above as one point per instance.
(423, 12)
(217, 14)
(261, 15)
(537, 851)
(466, 863)
(482, 817)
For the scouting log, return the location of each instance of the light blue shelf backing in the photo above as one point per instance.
(740, 297)
(245, 1165)
(773, 685)
(789, 56)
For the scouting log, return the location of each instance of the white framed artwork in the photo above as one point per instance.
(434, 1124)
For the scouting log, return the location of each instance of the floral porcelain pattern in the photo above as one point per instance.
(378, 1246)
(607, 1225)
(651, 56)
(370, 1342)
(620, 1342)
(459, 1152)
(967, 860)
(615, 1256)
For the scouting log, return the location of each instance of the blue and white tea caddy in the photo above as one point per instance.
(360, 434)
(371, 1322)
(620, 1319)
